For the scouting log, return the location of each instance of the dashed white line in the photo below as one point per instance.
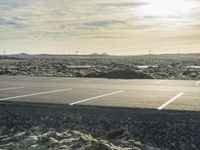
(34, 94)
(169, 101)
(11, 88)
(96, 97)
(198, 82)
(160, 81)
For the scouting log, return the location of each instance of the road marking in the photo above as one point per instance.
(34, 94)
(198, 82)
(161, 81)
(58, 79)
(8, 77)
(34, 78)
(169, 101)
(24, 79)
(11, 88)
(96, 97)
(87, 80)
(120, 80)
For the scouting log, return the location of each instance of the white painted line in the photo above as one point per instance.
(161, 81)
(34, 94)
(169, 101)
(23, 79)
(198, 82)
(11, 88)
(88, 99)
(120, 81)
(58, 79)
(33, 78)
(88, 80)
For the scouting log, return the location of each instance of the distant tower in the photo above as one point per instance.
(4, 53)
(76, 52)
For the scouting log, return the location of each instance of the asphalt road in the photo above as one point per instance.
(153, 94)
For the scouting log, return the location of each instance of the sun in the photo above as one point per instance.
(170, 14)
(166, 8)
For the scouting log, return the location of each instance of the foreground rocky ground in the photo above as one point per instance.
(41, 127)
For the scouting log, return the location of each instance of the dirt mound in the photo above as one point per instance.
(121, 74)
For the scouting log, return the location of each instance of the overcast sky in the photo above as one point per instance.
(111, 26)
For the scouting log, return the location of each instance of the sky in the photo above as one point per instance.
(117, 27)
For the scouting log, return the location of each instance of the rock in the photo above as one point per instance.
(66, 135)
(86, 138)
(18, 136)
(37, 147)
(59, 136)
(115, 133)
(37, 130)
(193, 74)
(43, 140)
(137, 144)
(26, 143)
(105, 124)
(124, 143)
(53, 141)
(99, 146)
(77, 145)
(10, 146)
(136, 148)
(67, 141)
(5, 140)
(4, 130)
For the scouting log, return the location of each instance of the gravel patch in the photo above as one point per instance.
(38, 127)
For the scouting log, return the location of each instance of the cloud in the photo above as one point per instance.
(100, 37)
(13, 4)
(196, 26)
(83, 20)
(190, 38)
(129, 4)
(8, 22)
(11, 23)
(103, 23)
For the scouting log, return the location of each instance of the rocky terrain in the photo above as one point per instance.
(26, 126)
(175, 66)
(40, 127)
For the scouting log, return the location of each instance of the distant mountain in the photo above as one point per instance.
(21, 55)
(152, 56)
(97, 54)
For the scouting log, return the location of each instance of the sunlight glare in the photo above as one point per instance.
(166, 8)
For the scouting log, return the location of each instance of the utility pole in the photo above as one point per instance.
(149, 56)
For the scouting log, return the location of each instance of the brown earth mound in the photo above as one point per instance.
(121, 74)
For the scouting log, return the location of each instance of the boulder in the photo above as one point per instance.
(115, 133)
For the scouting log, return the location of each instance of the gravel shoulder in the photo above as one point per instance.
(35, 126)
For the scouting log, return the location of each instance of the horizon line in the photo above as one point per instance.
(96, 54)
